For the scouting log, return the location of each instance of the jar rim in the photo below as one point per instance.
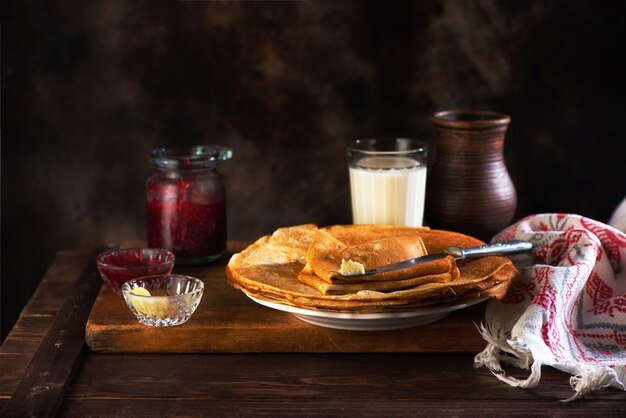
(470, 119)
(196, 157)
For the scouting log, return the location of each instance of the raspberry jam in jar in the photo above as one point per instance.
(186, 203)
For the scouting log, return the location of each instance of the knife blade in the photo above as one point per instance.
(510, 247)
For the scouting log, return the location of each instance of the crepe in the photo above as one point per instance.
(379, 286)
(269, 269)
(326, 254)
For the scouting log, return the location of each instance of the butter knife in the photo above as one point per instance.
(497, 248)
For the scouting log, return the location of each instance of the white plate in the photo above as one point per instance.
(367, 321)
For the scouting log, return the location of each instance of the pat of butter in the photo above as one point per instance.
(140, 291)
(351, 268)
(153, 306)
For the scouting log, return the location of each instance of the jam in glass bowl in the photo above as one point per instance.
(120, 265)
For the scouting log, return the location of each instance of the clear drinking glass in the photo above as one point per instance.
(387, 181)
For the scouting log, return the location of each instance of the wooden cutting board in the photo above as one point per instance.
(228, 321)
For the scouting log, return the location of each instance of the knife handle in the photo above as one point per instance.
(497, 248)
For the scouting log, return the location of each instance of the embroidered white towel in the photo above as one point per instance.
(568, 310)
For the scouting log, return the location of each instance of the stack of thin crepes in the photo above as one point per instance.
(300, 266)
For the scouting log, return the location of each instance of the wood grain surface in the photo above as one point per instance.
(228, 321)
(19, 348)
(280, 384)
(41, 388)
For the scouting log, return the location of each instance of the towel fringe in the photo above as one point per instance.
(501, 349)
(590, 378)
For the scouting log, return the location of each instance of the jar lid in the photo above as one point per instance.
(198, 157)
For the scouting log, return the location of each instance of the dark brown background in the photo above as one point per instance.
(88, 88)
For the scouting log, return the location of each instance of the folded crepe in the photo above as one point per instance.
(326, 254)
(277, 268)
(378, 286)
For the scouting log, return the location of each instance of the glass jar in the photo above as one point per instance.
(186, 203)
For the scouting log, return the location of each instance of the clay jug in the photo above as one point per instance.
(469, 188)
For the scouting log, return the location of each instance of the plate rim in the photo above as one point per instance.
(364, 316)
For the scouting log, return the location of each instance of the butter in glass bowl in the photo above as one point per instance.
(163, 300)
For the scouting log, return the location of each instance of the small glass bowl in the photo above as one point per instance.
(120, 265)
(163, 300)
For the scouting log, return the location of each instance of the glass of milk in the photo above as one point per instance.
(387, 181)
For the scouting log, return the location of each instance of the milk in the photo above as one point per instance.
(388, 191)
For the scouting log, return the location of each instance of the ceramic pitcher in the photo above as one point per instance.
(469, 188)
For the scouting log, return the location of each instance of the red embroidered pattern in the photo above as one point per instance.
(615, 335)
(611, 242)
(552, 338)
(597, 290)
(610, 306)
(546, 298)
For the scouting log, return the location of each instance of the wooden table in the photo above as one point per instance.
(285, 384)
